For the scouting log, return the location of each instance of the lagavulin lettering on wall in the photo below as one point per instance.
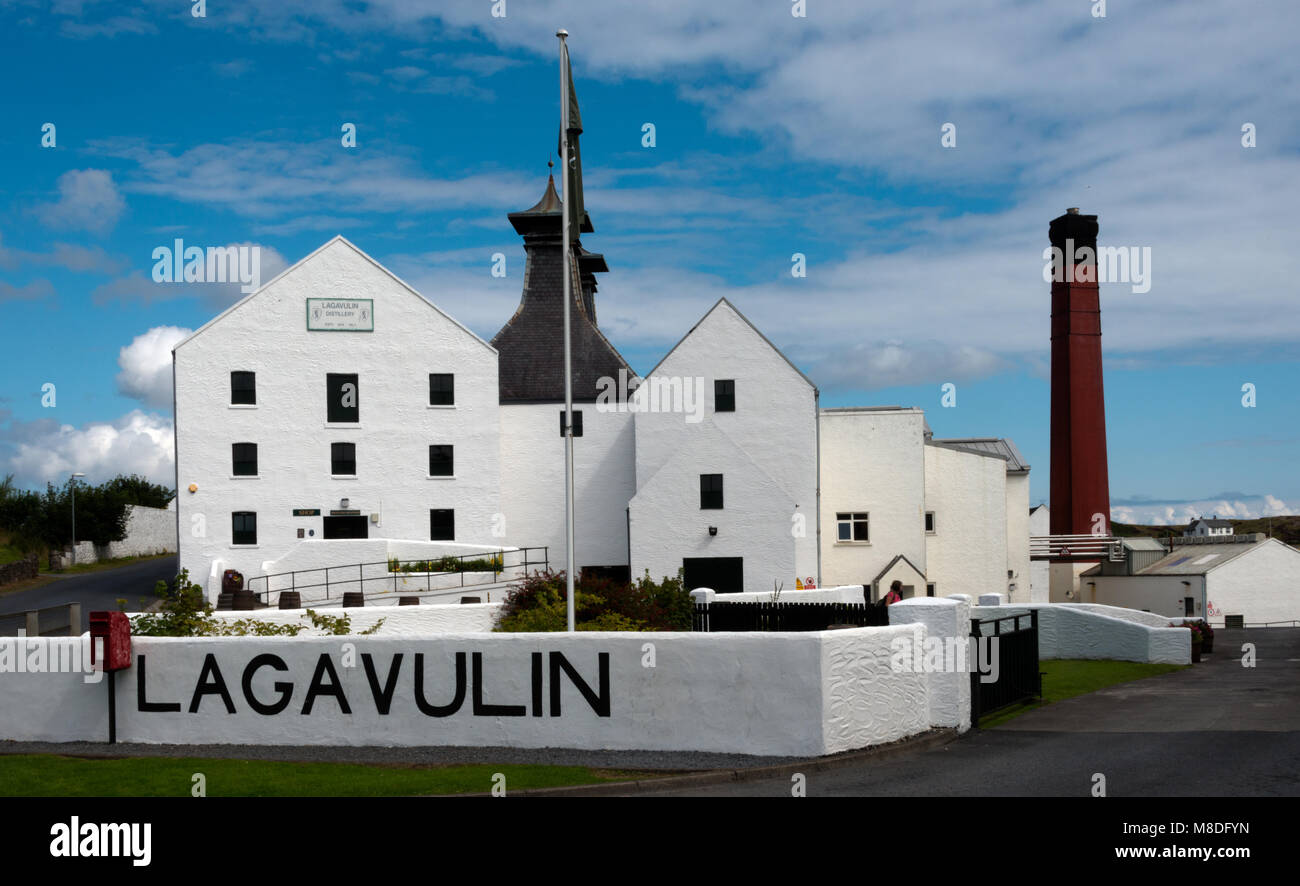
(440, 693)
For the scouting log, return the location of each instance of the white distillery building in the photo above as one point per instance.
(337, 417)
(1214, 577)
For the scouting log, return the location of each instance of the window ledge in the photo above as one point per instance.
(441, 405)
(854, 544)
(241, 405)
(440, 476)
(246, 476)
(245, 547)
(353, 425)
(343, 476)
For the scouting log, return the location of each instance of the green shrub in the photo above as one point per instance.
(538, 603)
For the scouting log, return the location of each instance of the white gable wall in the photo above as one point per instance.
(1018, 563)
(267, 334)
(872, 461)
(1262, 584)
(774, 426)
(967, 554)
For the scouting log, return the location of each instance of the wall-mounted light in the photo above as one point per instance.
(194, 487)
(713, 530)
(343, 504)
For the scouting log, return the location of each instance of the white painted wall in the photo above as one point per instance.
(1066, 631)
(532, 481)
(668, 523)
(1162, 594)
(949, 693)
(969, 548)
(266, 333)
(1039, 573)
(842, 594)
(1263, 585)
(1017, 530)
(791, 694)
(766, 451)
(872, 460)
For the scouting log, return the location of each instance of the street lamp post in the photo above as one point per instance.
(75, 475)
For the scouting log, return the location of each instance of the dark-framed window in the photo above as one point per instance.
(243, 457)
(441, 461)
(710, 491)
(929, 521)
(342, 397)
(243, 528)
(243, 388)
(929, 589)
(442, 524)
(343, 458)
(442, 389)
(577, 422)
(724, 395)
(852, 527)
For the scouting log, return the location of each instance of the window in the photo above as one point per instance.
(442, 525)
(929, 589)
(851, 527)
(343, 459)
(243, 528)
(442, 389)
(441, 462)
(724, 395)
(243, 388)
(929, 521)
(577, 422)
(341, 398)
(710, 491)
(243, 459)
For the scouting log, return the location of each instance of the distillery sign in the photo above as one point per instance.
(442, 687)
(341, 315)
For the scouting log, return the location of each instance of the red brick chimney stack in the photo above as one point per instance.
(1080, 487)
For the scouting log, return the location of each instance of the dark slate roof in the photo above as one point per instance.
(531, 345)
(992, 446)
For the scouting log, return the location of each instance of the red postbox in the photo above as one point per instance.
(115, 630)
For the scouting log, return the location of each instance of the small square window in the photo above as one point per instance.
(442, 389)
(929, 589)
(441, 462)
(343, 459)
(710, 491)
(243, 528)
(577, 422)
(929, 521)
(244, 459)
(724, 395)
(850, 527)
(243, 388)
(442, 525)
(342, 402)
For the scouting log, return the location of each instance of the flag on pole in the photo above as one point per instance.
(573, 125)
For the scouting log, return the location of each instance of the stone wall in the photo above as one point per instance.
(28, 567)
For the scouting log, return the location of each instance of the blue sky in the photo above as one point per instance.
(774, 135)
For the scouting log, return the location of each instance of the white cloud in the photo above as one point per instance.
(1158, 513)
(137, 443)
(88, 200)
(147, 366)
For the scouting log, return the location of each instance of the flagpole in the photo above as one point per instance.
(568, 297)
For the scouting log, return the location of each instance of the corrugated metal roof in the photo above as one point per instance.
(1143, 544)
(995, 446)
(1196, 559)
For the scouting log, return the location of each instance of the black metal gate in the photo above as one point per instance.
(1016, 654)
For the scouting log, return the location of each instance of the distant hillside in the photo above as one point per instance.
(1285, 529)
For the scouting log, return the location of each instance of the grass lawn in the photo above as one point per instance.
(1067, 678)
(55, 776)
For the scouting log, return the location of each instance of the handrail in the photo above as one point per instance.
(389, 575)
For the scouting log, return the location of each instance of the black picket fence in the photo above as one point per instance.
(778, 616)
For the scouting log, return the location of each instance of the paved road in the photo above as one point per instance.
(93, 590)
(1216, 729)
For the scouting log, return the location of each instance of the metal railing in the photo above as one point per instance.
(29, 621)
(1018, 676)
(1059, 547)
(380, 577)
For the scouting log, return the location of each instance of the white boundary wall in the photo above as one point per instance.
(842, 594)
(795, 694)
(1080, 631)
(949, 694)
(398, 620)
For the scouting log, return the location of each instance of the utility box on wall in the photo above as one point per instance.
(114, 628)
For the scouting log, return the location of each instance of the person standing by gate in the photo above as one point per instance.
(895, 593)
